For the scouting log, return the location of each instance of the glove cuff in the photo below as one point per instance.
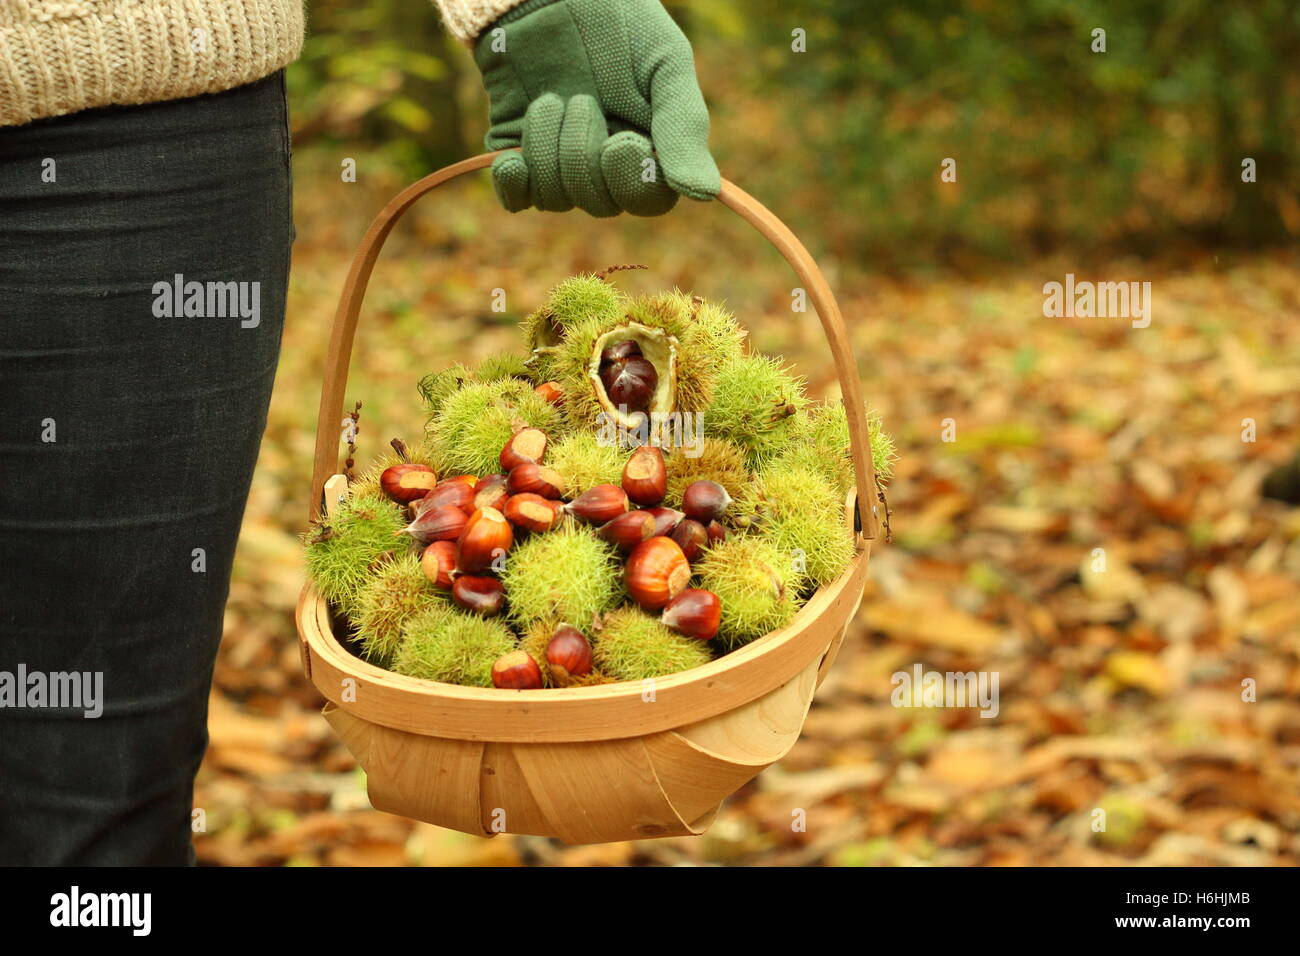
(466, 19)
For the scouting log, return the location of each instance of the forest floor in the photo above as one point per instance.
(1076, 508)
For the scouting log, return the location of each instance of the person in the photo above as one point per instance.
(145, 188)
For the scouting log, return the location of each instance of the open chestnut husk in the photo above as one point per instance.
(629, 386)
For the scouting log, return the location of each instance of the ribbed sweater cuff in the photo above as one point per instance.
(466, 19)
(60, 56)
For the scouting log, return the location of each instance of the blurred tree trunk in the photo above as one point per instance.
(1254, 218)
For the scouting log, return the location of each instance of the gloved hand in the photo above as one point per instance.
(565, 75)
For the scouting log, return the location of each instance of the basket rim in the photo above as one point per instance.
(604, 711)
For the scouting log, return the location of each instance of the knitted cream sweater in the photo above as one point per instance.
(60, 56)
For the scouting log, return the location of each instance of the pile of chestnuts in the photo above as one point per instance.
(466, 526)
(633, 493)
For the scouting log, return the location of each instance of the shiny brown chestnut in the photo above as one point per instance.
(628, 530)
(568, 655)
(645, 476)
(537, 479)
(656, 572)
(516, 670)
(531, 512)
(526, 446)
(407, 482)
(695, 613)
(630, 383)
(454, 491)
(487, 534)
(437, 562)
(551, 392)
(489, 492)
(705, 501)
(479, 594)
(598, 504)
(692, 537)
(666, 519)
(439, 523)
(620, 350)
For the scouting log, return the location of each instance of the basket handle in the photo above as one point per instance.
(343, 332)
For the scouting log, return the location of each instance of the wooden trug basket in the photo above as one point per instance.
(590, 764)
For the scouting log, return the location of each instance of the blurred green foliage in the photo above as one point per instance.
(381, 74)
(1137, 148)
(1055, 144)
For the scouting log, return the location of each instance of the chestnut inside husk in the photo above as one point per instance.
(633, 372)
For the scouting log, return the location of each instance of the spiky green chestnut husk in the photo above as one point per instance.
(437, 386)
(444, 644)
(477, 420)
(633, 645)
(567, 573)
(719, 460)
(821, 432)
(340, 551)
(701, 337)
(578, 299)
(708, 339)
(756, 584)
(395, 593)
(367, 482)
(505, 365)
(714, 329)
(801, 513)
(835, 467)
(583, 461)
(754, 402)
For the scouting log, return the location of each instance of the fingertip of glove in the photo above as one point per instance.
(700, 192)
(510, 182)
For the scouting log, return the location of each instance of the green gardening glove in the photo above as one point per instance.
(562, 76)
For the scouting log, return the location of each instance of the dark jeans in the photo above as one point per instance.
(128, 434)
